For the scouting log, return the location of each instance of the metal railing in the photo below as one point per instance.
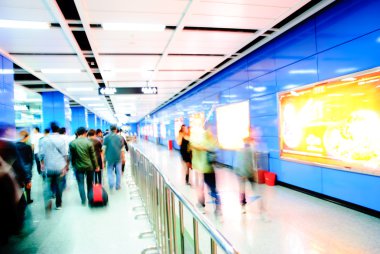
(165, 207)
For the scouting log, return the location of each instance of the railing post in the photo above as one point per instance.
(196, 236)
(214, 247)
(182, 228)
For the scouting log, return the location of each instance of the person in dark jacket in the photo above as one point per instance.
(83, 159)
(12, 179)
(99, 154)
(27, 156)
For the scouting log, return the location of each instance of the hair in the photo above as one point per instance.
(23, 134)
(113, 128)
(80, 131)
(62, 130)
(54, 127)
(98, 131)
(180, 130)
(91, 133)
(37, 129)
(47, 131)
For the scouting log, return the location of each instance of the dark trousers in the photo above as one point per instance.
(38, 163)
(209, 179)
(242, 181)
(98, 177)
(80, 179)
(53, 186)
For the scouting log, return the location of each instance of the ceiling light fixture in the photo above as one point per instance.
(60, 71)
(133, 27)
(18, 24)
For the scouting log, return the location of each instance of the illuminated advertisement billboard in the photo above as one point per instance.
(197, 121)
(232, 123)
(177, 125)
(335, 123)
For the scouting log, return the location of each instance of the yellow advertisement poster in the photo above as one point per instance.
(335, 123)
(232, 123)
(197, 121)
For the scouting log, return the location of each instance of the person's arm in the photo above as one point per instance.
(179, 139)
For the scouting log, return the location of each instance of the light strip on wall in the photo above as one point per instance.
(133, 27)
(18, 24)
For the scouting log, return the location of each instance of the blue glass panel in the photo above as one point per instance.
(265, 126)
(346, 21)
(270, 145)
(260, 63)
(297, 44)
(353, 187)
(357, 55)
(301, 73)
(264, 105)
(264, 85)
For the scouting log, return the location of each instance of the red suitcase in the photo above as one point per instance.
(97, 196)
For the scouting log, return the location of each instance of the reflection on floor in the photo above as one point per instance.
(80, 230)
(291, 222)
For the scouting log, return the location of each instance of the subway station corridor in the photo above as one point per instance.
(296, 222)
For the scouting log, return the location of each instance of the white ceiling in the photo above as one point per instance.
(175, 57)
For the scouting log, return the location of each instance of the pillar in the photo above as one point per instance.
(6, 91)
(55, 108)
(91, 121)
(79, 118)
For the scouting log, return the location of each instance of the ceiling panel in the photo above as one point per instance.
(38, 62)
(229, 22)
(121, 61)
(178, 75)
(238, 10)
(130, 42)
(31, 10)
(34, 41)
(72, 77)
(129, 76)
(190, 62)
(281, 3)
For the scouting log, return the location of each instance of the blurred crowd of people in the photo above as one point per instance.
(54, 154)
(198, 151)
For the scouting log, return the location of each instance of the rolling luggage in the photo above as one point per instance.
(97, 196)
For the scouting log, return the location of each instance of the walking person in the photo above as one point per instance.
(27, 156)
(183, 141)
(113, 145)
(203, 146)
(54, 162)
(83, 159)
(99, 155)
(35, 140)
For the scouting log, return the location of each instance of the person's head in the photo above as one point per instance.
(91, 133)
(113, 128)
(54, 127)
(46, 132)
(183, 129)
(99, 133)
(36, 130)
(81, 131)
(23, 135)
(7, 130)
(62, 131)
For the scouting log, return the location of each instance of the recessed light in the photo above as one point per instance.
(60, 71)
(18, 24)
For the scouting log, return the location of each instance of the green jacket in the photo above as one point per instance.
(82, 155)
(201, 143)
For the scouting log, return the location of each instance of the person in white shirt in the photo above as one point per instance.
(35, 140)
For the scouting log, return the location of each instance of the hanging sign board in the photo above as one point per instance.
(127, 90)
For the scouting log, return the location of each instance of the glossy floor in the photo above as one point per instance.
(282, 220)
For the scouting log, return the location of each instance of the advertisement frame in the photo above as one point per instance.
(348, 168)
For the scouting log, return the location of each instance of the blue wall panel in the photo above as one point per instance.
(342, 39)
(362, 189)
(360, 54)
(350, 20)
(299, 74)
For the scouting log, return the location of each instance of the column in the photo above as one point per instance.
(6, 91)
(79, 118)
(55, 109)
(91, 121)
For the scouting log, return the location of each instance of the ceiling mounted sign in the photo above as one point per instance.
(127, 90)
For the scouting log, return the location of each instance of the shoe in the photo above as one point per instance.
(243, 209)
(201, 208)
(58, 208)
(188, 183)
(29, 201)
(48, 207)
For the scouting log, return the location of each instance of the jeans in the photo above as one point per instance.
(80, 179)
(38, 163)
(53, 185)
(110, 171)
(98, 177)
